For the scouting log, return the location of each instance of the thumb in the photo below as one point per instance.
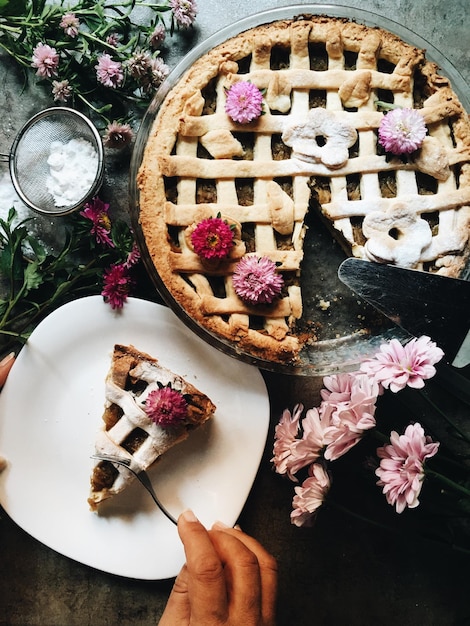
(177, 611)
(5, 367)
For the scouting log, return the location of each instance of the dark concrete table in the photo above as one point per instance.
(342, 571)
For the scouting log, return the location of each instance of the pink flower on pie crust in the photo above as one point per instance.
(401, 470)
(212, 238)
(244, 102)
(256, 280)
(45, 60)
(310, 496)
(396, 366)
(166, 407)
(402, 131)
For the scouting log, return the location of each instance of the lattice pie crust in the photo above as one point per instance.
(324, 75)
(128, 432)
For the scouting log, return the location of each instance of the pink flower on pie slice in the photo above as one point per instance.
(256, 280)
(396, 366)
(310, 496)
(212, 238)
(166, 407)
(401, 470)
(402, 131)
(244, 102)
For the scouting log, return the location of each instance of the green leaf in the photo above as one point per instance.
(32, 276)
(12, 7)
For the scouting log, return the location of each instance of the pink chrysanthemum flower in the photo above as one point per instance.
(347, 415)
(118, 135)
(396, 366)
(184, 12)
(212, 238)
(166, 407)
(244, 102)
(113, 39)
(45, 60)
(116, 285)
(401, 470)
(157, 37)
(310, 496)
(97, 212)
(256, 280)
(402, 131)
(159, 70)
(285, 438)
(70, 23)
(109, 72)
(133, 257)
(61, 90)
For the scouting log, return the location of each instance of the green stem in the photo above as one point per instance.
(447, 481)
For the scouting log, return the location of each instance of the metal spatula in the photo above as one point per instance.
(419, 302)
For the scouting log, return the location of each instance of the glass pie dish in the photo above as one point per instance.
(338, 328)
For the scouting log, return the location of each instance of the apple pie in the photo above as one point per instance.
(148, 410)
(327, 84)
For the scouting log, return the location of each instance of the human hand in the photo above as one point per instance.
(5, 367)
(229, 579)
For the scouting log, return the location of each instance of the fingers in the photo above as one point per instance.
(5, 367)
(177, 611)
(242, 575)
(267, 571)
(206, 580)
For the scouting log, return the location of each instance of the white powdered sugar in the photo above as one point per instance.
(72, 170)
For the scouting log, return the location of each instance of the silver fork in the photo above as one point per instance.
(141, 476)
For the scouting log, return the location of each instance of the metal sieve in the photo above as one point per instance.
(30, 160)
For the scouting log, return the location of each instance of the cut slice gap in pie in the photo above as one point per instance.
(148, 410)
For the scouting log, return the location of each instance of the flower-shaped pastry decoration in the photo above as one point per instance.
(256, 280)
(321, 137)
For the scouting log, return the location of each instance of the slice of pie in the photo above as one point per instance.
(148, 410)
(327, 84)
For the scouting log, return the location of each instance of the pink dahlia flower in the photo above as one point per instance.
(244, 102)
(291, 451)
(346, 420)
(166, 407)
(116, 285)
(212, 238)
(310, 496)
(285, 438)
(401, 470)
(184, 12)
(45, 60)
(118, 135)
(256, 280)
(109, 72)
(396, 366)
(402, 131)
(70, 24)
(97, 212)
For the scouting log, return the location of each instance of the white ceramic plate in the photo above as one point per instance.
(50, 410)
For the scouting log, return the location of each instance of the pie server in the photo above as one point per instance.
(419, 302)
